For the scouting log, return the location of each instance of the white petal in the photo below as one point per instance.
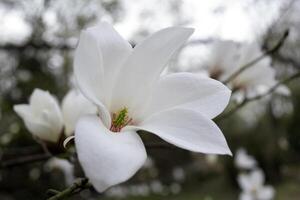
(259, 74)
(283, 90)
(98, 57)
(42, 116)
(245, 183)
(246, 196)
(144, 66)
(40, 100)
(35, 126)
(222, 58)
(88, 68)
(187, 129)
(24, 111)
(257, 178)
(243, 160)
(252, 181)
(74, 105)
(266, 193)
(46, 109)
(186, 90)
(107, 158)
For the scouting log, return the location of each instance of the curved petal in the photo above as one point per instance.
(187, 129)
(245, 182)
(24, 111)
(257, 178)
(266, 193)
(100, 53)
(243, 160)
(46, 111)
(144, 66)
(190, 91)
(74, 105)
(42, 117)
(246, 196)
(38, 129)
(107, 158)
(41, 100)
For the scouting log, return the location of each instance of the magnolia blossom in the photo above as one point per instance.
(243, 160)
(44, 118)
(125, 84)
(253, 186)
(226, 57)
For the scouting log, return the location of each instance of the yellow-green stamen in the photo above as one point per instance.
(119, 120)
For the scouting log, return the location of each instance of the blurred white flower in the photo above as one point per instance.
(117, 192)
(243, 160)
(221, 60)
(75, 105)
(178, 174)
(15, 28)
(42, 116)
(252, 112)
(125, 84)
(157, 187)
(64, 166)
(226, 57)
(45, 120)
(253, 187)
(139, 190)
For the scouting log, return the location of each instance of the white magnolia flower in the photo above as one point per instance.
(125, 84)
(253, 187)
(75, 105)
(226, 57)
(243, 160)
(42, 116)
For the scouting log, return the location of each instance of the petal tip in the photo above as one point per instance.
(229, 153)
(19, 109)
(188, 31)
(16, 107)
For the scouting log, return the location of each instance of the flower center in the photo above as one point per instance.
(216, 73)
(120, 120)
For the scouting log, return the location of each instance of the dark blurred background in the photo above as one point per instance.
(37, 39)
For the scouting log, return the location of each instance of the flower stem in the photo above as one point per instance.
(275, 48)
(249, 99)
(76, 187)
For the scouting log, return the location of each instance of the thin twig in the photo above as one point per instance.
(52, 192)
(250, 99)
(35, 45)
(27, 159)
(76, 187)
(275, 48)
(27, 150)
(24, 160)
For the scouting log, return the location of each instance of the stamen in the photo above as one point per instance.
(120, 120)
